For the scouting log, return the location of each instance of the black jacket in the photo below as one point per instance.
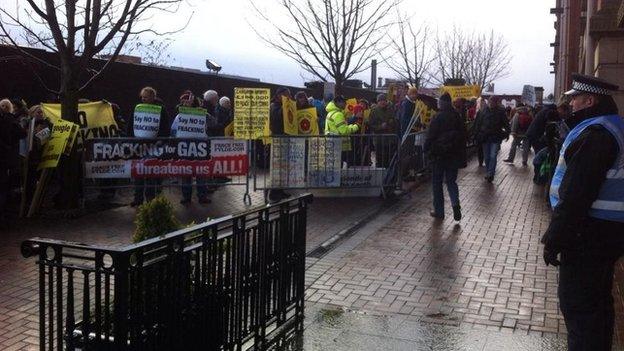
(446, 139)
(10, 135)
(588, 158)
(492, 126)
(164, 126)
(538, 126)
(276, 119)
(223, 117)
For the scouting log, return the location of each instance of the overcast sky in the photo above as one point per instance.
(220, 30)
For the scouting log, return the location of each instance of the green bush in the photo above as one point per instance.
(155, 218)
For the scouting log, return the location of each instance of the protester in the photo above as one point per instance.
(188, 99)
(480, 108)
(302, 100)
(10, 135)
(459, 104)
(538, 127)
(321, 113)
(211, 101)
(406, 109)
(585, 236)
(360, 155)
(223, 115)
(446, 145)
(276, 124)
(520, 123)
(383, 121)
(492, 128)
(42, 129)
(146, 188)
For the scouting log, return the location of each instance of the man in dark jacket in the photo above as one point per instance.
(537, 128)
(587, 226)
(383, 121)
(446, 145)
(10, 135)
(406, 109)
(492, 128)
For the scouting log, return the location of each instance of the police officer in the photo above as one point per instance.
(586, 232)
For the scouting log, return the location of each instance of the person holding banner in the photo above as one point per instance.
(223, 116)
(336, 124)
(10, 135)
(190, 122)
(150, 120)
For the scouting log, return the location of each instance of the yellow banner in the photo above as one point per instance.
(95, 120)
(251, 112)
(351, 103)
(308, 121)
(289, 112)
(463, 91)
(57, 144)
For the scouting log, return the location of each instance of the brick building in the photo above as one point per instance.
(590, 40)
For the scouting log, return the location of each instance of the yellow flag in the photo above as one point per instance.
(308, 121)
(289, 111)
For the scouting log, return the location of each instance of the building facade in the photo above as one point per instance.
(589, 40)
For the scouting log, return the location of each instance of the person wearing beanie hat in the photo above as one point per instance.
(446, 147)
(585, 237)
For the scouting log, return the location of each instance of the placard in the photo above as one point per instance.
(146, 122)
(251, 112)
(324, 162)
(287, 169)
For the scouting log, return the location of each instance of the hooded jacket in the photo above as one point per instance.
(336, 123)
(446, 138)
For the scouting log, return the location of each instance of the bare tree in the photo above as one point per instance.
(489, 60)
(79, 31)
(330, 38)
(410, 57)
(453, 51)
(477, 58)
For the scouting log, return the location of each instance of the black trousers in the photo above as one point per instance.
(585, 283)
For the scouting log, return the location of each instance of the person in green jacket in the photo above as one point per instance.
(336, 123)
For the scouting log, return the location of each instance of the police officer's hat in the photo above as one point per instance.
(583, 84)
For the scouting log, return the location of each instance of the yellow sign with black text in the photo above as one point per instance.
(251, 112)
(60, 140)
(463, 91)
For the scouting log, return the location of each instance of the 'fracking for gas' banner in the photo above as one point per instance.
(251, 112)
(95, 120)
(164, 158)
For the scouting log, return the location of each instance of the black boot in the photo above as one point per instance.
(457, 212)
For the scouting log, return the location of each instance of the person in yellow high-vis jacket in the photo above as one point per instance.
(336, 123)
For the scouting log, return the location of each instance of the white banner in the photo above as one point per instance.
(324, 162)
(191, 123)
(287, 163)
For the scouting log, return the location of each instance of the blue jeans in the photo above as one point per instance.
(187, 188)
(490, 152)
(449, 175)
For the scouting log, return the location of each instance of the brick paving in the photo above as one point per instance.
(485, 272)
(19, 277)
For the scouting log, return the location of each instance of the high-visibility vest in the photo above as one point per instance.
(609, 205)
(331, 128)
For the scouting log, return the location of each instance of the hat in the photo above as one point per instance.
(339, 99)
(446, 97)
(282, 90)
(588, 84)
(382, 97)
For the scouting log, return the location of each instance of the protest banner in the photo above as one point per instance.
(424, 112)
(146, 122)
(528, 95)
(462, 91)
(190, 123)
(324, 162)
(287, 168)
(289, 115)
(251, 112)
(350, 105)
(55, 147)
(164, 157)
(308, 121)
(362, 177)
(95, 120)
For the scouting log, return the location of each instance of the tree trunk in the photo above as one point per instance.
(339, 86)
(69, 168)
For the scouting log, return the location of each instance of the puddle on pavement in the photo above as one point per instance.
(338, 329)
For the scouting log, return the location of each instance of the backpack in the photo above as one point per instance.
(524, 121)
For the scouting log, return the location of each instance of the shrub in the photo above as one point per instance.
(155, 218)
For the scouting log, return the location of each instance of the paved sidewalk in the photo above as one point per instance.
(19, 277)
(485, 273)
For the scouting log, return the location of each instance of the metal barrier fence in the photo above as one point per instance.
(229, 284)
(328, 161)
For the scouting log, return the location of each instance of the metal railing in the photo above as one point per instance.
(327, 161)
(228, 284)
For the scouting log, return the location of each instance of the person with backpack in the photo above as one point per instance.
(520, 123)
(446, 146)
(492, 127)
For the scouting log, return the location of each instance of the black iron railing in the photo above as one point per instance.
(228, 284)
